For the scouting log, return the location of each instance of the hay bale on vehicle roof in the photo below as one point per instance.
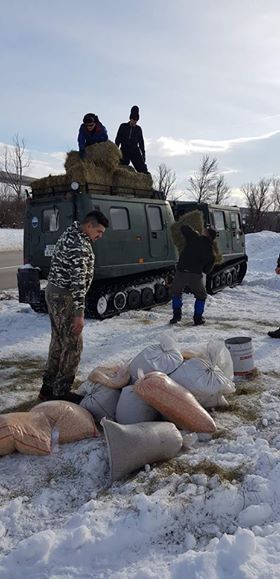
(50, 181)
(126, 178)
(106, 155)
(87, 172)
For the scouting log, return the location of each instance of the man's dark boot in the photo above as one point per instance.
(177, 316)
(198, 320)
(46, 393)
(275, 334)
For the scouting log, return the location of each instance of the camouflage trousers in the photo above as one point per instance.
(65, 347)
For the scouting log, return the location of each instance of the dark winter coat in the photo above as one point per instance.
(86, 137)
(197, 255)
(130, 138)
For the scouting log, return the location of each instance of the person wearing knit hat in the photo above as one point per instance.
(91, 131)
(130, 139)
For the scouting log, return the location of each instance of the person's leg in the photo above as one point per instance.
(71, 349)
(178, 286)
(52, 365)
(197, 287)
(125, 157)
(138, 161)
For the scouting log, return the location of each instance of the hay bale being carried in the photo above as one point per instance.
(194, 219)
(126, 178)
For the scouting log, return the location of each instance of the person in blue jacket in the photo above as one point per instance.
(91, 131)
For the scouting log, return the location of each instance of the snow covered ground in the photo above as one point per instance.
(213, 512)
(11, 239)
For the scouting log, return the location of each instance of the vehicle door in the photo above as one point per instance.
(223, 234)
(157, 231)
(237, 234)
(46, 221)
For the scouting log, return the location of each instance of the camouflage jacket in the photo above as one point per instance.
(72, 265)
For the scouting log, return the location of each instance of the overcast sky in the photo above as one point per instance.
(204, 73)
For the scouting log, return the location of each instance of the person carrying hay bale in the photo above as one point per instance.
(130, 139)
(91, 131)
(197, 257)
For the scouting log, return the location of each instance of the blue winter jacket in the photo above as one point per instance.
(86, 138)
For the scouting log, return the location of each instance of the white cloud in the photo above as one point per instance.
(180, 147)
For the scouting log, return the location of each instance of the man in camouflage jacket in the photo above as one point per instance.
(70, 277)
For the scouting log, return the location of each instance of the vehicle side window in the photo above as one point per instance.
(155, 218)
(235, 221)
(50, 219)
(219, 219)
(119, 218)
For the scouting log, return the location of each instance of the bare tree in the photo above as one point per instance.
(13, 161)
(203, 184)
(275, 186)
(259, 200)
(165, 180)
(221, 191)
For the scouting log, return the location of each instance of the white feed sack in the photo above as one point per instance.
(205, 382)
(163, 357)
(101, 401)
(132, 409)
(134, 445)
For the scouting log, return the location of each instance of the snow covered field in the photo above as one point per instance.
(11, 239)
(213, 512)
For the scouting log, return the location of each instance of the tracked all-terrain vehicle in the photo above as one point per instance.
(134, 261)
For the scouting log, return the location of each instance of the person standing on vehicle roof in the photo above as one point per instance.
(276, 333)
(130, 139)
(70, 277)
(91, 131)
(196, 258)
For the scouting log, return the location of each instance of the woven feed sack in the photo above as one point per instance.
(73, 422)
(174, 402)
(194, 219)
(132, 446)
(126, 179)
(206, 382)
(106, 155)
(162, 357)
(25, 432)
(101, 401)
(132, 409)
(116, 376)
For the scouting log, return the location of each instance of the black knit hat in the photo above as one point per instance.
(90, 118)
(134, 113)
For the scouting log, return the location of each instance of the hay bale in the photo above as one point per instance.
(195, 220)
(72, 158)
(50, 181)
(87, 172)
(106, 155)
(126, 178)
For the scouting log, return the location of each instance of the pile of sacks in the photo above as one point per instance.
(133, 402)
(33, 432)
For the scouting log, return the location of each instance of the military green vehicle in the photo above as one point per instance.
(136, 259)
(230, 240)
(133, 261)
